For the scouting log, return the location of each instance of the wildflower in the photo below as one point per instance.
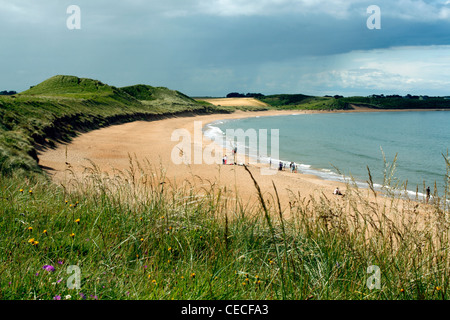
(35, 243)
(68, 297)
(77, 221)
(57, 298)
(30, 192)
(402, 290)
(44, 232)
(149, 276)
(142, 239)
(21, 190)
(137, 256)
(31, 241)
(30, 229)
(192, 275)
(72, 234)
(66, 202)
(82, 296)
(182, 277)
(48, 268)
(154, 282)
(170, 249)
(60, 262)
(258, 282)
(244, 283)
(94, 297)
(438, 288)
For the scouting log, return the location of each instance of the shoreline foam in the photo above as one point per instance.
(213, 132)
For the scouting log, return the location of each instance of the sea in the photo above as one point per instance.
(402, 150)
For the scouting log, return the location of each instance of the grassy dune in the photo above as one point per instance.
(56, 109)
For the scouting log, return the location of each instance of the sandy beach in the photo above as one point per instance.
(109, 148)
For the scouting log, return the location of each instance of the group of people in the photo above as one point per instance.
(293, 167)
(225, 159)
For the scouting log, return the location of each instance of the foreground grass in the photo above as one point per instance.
(135, 237)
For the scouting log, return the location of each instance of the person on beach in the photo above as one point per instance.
(280, 168)
(428, 193)
(235, 154)
(337, 192)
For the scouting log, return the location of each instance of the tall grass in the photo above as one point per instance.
(137, 235)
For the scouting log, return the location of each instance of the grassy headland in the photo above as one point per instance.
(60, 107)
(397, 102)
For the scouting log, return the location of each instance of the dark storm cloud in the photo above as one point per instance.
(208, 47)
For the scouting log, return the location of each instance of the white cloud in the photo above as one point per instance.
(401, 70)
(336, 8)
(418, 10)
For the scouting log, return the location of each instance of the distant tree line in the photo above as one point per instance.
(244, 95)
(408, 96)
(7, 93)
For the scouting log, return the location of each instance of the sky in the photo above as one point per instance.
(214, 47)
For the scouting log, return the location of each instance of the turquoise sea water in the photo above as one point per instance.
(353, 141)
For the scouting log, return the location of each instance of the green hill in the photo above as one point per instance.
(149, 93)
(60, 107)
(64, 85)
(74, 87)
